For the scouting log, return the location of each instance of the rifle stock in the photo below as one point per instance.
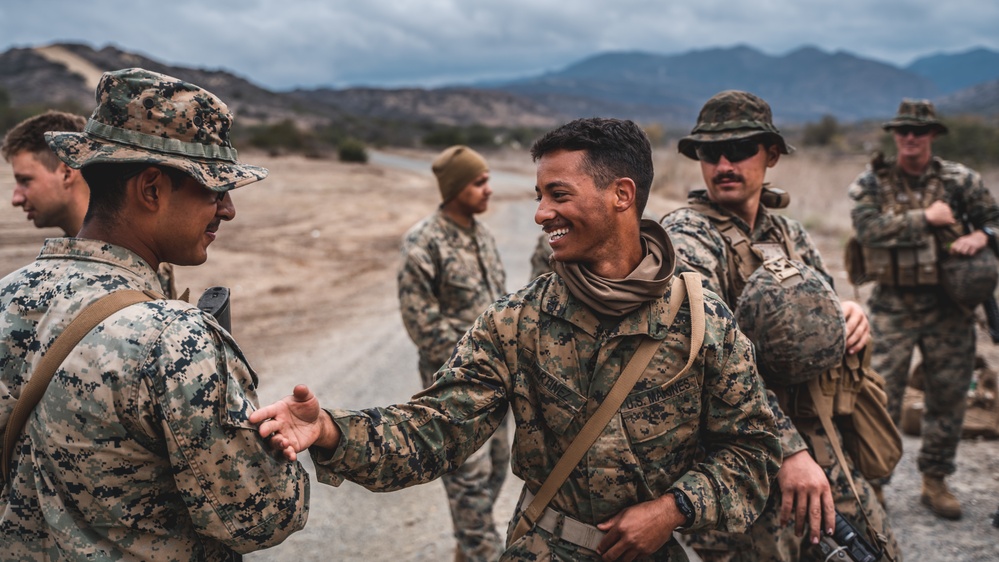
(215, 301)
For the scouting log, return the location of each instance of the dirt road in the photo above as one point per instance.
(311, 260)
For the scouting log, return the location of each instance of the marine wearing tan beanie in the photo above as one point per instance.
(455, 168)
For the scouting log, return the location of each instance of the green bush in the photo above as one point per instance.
(445, 137)
(352, 150)
(822, 133)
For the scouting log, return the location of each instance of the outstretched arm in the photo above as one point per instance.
(295, 423)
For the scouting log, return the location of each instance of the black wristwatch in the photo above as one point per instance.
(683, 504)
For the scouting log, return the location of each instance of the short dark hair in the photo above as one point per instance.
(107, 182)
(615, 148)
(29, 135)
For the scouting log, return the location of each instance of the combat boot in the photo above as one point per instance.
(939, 499)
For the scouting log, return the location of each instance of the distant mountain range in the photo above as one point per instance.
(801, 86)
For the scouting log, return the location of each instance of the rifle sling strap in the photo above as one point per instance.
(690, 287)
(824, 408)
(64, 343)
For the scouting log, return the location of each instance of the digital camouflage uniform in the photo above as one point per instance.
(701, 247)
(449, 276)
(541, 258)
(140, 448)
(543, 353)
(888, 216)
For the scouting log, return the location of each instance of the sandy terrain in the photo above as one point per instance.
(311, 261)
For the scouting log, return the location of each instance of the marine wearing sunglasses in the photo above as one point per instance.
(906, 130)
(732, 150)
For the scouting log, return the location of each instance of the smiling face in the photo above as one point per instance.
(578, 217)
(44, 194)
(914, 144)
(190, 218)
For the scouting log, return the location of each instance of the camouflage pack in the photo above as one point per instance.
(794, 319)
(146, 117)
(969, 280)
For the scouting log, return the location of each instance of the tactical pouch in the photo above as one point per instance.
(859, 407)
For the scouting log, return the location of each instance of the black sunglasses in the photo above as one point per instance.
(733, 151)
(904, 131)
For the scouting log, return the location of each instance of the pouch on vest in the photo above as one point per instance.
(860, 412)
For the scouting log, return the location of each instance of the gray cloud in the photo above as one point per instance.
(288, 43)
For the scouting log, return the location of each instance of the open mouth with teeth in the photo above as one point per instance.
(557, 234)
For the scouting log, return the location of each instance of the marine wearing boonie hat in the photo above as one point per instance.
(147, 117)
(916, 113)
(732, 115)
(455, 168)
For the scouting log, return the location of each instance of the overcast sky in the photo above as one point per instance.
(282, 44)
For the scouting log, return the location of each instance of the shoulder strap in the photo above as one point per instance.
(689, 287)
(35, 388)
(825, 412)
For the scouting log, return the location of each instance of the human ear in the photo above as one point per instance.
(773, 155)
(147, 187)
(624, 193)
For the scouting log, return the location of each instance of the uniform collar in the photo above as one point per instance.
(84, 249)
(557, 301)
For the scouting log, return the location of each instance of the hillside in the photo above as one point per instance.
(802, 86)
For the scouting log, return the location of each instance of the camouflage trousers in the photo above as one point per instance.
(472, 489)
(769, 541)
(945, 335)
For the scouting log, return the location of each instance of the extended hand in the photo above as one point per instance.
(805, 490)
(640, 529)
(858, 329)
(295, 423)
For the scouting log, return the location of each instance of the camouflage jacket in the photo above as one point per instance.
(877, 225)
(544, 354)
(700, 247)
(141, 448)
(890, 225)
(541, 258)
(448, 277)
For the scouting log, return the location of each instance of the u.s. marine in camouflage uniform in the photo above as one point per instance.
(736, 141)
(698, 453)
(50, 192)
(141, 447)
(451, 272)
(908, 213)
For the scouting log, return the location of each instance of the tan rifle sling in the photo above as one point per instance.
(64, 343)
(824, 407)
(743, 255)
(690, 287)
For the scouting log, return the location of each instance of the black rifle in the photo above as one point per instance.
(847, 544)
(215, 301)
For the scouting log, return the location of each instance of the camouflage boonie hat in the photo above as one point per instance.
(794, 319)
(916, 113)
(143, 116)
(731, 115)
